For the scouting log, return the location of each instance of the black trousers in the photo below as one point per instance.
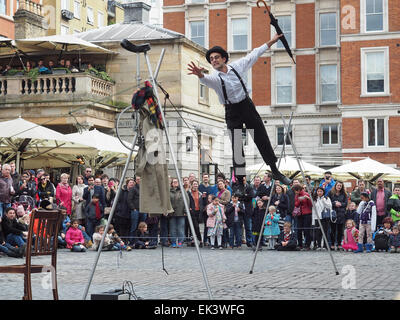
(304, 227)
(195, 219)
(245, 113)
(318, 232)
(336, 233)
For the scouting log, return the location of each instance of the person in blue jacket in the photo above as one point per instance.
(327, 183)
(271, 230)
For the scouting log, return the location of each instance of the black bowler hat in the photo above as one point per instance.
(219, 50)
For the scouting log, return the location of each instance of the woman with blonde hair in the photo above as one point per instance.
(64, 193)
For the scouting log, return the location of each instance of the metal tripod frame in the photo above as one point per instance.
(308, 189)
(136, 127)
(269, 200)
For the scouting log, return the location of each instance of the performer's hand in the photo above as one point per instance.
(195, 70)
(274, 39)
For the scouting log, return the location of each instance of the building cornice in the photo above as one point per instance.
(370, 36)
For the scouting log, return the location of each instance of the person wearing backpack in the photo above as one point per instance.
(381, 236)
(367, 217)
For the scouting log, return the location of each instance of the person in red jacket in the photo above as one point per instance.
(74, 238)
(64, 193)
(303, 201)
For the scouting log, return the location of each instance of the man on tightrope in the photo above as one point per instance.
(227, 81)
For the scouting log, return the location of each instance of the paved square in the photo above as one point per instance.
(277, 275)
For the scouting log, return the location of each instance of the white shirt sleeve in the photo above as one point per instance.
(248, 61)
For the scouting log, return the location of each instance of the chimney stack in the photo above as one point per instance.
(136, 11)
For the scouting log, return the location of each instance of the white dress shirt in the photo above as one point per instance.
(234, 89)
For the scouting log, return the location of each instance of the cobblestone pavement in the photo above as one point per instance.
(276, 276)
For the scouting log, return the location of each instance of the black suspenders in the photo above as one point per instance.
(224, 88)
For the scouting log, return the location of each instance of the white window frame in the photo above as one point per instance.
(87, 17)
(100, 25)
(337, 83)
(287, 143)
(77, 10)
(65, 5)
(206, 98)
(292, 15)
(230, 33)
(205, 31)
(363, 17)
(5, 8)
(65, 26)
(274, 82)
(330, 144)
(386, 133)
(320, 30)
(386, 72)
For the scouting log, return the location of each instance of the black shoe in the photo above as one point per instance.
(282, 179)
(14, 254)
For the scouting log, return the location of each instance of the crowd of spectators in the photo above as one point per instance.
(223, 216)
(48, 66)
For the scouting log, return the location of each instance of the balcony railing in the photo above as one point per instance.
(31, 6)
(57, 86)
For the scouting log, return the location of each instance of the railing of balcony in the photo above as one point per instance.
(31, 6)
(53, 85)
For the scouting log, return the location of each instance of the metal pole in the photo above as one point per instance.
(136, 126)
(313, 204)
(172, 152)
(269, 200)
(159, 63)
(138, 70)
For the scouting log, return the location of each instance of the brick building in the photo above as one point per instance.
(8, 9)
(370, 45)
(310, 88)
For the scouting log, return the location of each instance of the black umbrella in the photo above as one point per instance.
(274, 22)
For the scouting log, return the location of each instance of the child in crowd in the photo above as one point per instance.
(74, 238)
(235, 217)
(8, 249)
(350, 237)
(382, 235)
(287, 240)
(116, 240)
(94, 212)
(142, 237)
(20, 211)
(216, 222)
(271, 230)
(24, 220)
(97, 236)
(367, 216)
(14, 232)
(351, 213)
(257, 220)
(395, 240)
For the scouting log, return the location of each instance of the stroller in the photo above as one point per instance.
(26, 201)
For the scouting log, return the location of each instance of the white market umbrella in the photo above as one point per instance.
(288, 164)
(59, 43)
(109, 148)
(8, 47)
(19, 136)
(23, 129)
(366, 167)
(99, 140)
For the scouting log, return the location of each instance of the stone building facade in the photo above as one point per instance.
(192, 112)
